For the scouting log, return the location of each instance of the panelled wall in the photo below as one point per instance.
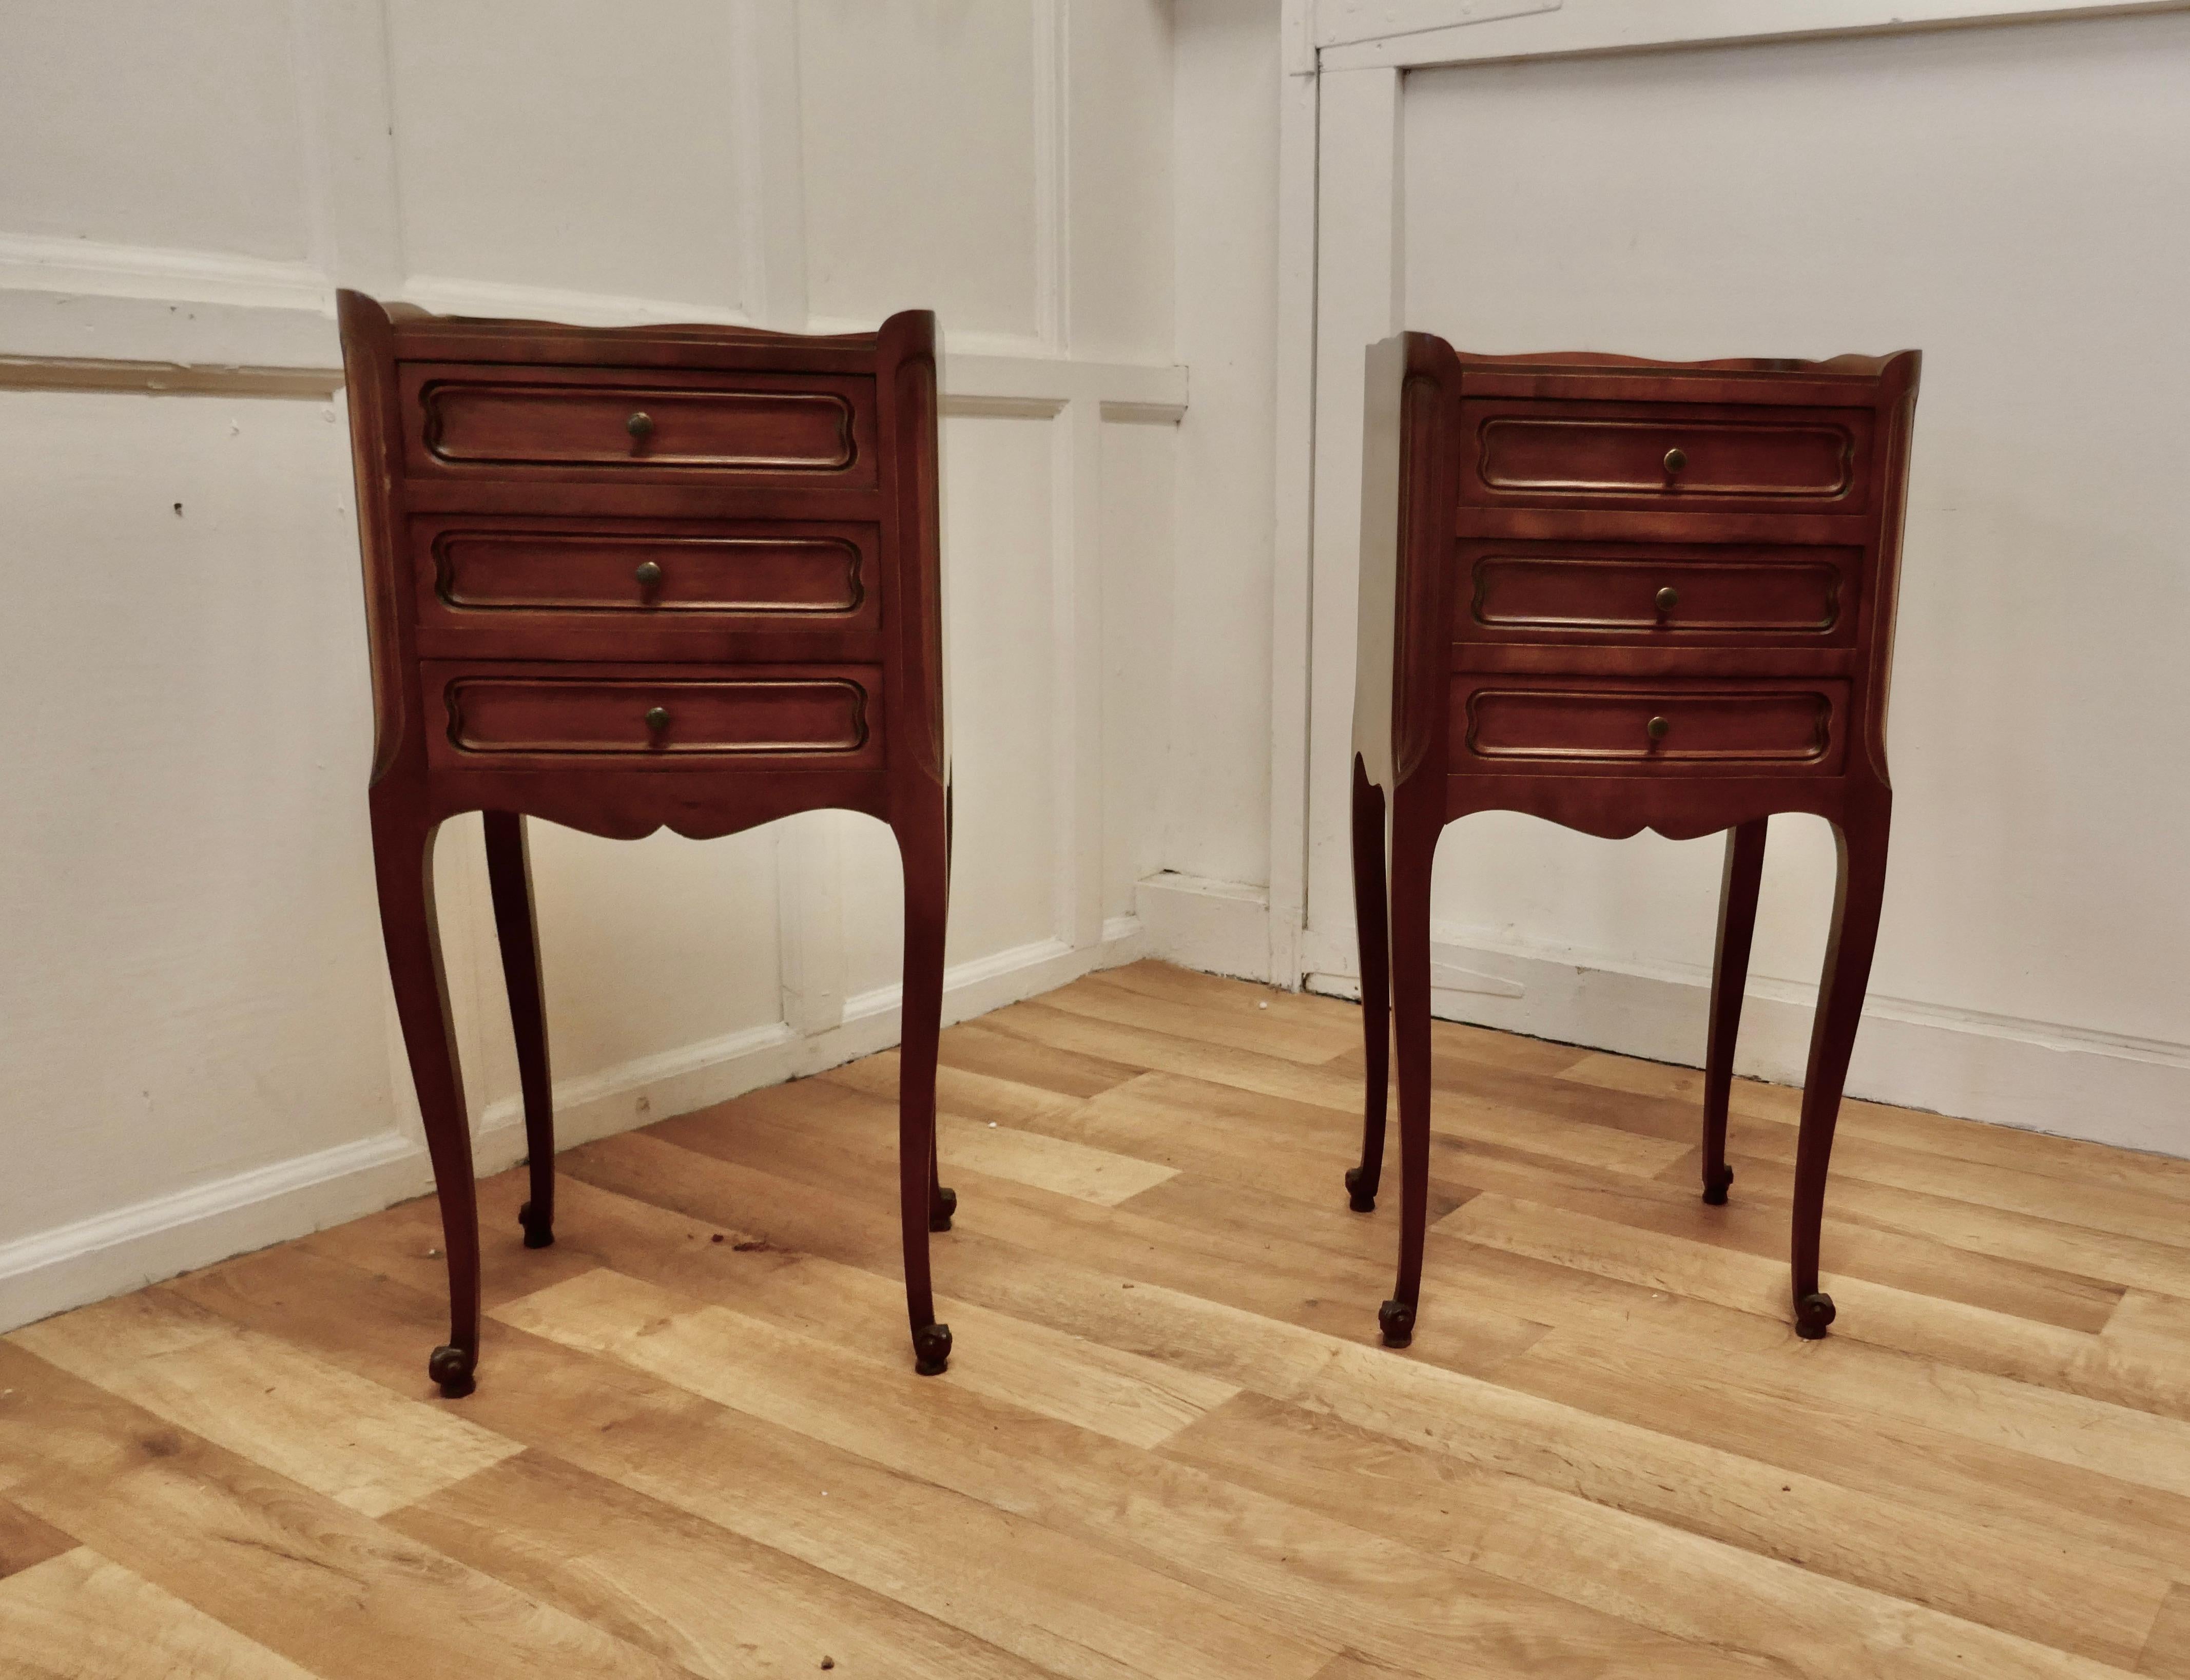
(196, 1053)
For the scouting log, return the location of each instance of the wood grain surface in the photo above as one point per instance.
(1168, 1445)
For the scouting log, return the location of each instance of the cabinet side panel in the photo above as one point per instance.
(369, 367)
(1380, 513)
(913, 531)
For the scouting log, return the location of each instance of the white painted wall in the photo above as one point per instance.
(196, 1050)
(125, 124)
(929, 104)
(2015, 201)
(189, 987)
(1225, 131)
(1224, 806)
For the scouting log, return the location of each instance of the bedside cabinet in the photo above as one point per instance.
(1622, 595)
(623, 580)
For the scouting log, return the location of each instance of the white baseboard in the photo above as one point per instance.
(1218, 927)
(51, 1271)
(2033, 1074)
(132, 1246)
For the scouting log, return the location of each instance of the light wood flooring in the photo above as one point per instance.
(1168, 1444)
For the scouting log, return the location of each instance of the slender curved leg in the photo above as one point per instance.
(1369, 922)
(1861, 838)
(1417, 817)
(510, 880)
(403, 862)
(1737, 929)
(942, 1200)
(926, 852)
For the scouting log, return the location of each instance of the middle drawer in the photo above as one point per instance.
(474, 572)
(1656, 594)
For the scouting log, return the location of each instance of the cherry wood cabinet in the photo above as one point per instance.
(622, 579)
(1622, 595)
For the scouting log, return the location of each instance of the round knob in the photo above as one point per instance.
(639, 425)
(648, 574)
(1668, 599)
(657, 718)
(1656, 729)
(1675, 458)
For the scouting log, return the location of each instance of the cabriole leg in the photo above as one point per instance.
(1860, 840)
(1737, 930)
(942, 1200)
(403, 861)
(510, 880)
(1417, 817)
(925, 850)
(1369, 914)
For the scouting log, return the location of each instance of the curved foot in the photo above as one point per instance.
(939, 1211)
(451, 1367)
(1360, 1201)
(930, 1349)
(1396, 1318)
(538, 1233)
(1714, 1186)
(1812, 1312)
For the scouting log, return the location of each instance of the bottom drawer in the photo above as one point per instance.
(1549, 726)
(762, 712)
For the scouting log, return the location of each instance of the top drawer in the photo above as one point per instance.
(755, 428)
(1667, 455)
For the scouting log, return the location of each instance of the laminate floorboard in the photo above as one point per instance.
(1169, 1446)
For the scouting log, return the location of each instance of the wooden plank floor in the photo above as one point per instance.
(1168, 1444)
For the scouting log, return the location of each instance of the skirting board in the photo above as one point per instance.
(51, 1271)
(2031, 1075)
(1218, 927)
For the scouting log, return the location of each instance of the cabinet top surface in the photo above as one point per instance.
(417, 335)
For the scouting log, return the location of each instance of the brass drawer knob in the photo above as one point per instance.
(657, 719)
(1656, 729)
(1675, 460)
(1668, 599)
(648, 574)
(640, 426)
